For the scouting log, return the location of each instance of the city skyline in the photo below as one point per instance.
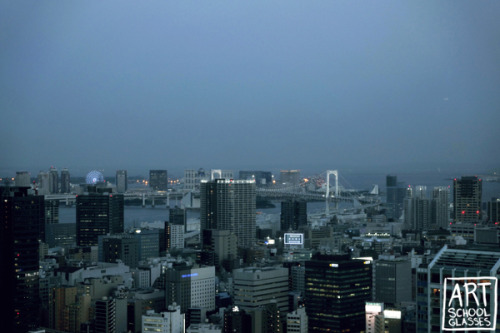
(303, 86)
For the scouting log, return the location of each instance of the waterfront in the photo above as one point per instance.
(134, 215)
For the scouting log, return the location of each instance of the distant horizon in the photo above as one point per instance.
(307, 171)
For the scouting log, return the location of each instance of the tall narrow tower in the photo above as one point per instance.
(22, 221)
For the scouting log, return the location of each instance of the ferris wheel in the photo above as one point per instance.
(94, 177)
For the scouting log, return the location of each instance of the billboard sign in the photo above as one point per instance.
(294, 239)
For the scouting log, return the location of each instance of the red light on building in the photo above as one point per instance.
(463, 212)
(477, 212)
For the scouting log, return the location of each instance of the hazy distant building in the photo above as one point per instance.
(98, 214)
(22, 179)
(290, 177)
(43, 184)
(261, 178)
(22, 217)
(65, 181)
(467, 192)
(53, 180)
(193, 177)
(229, 205)
(121, 181)
(158, 180)
(440, 207)
(395, 195)
(417, 209)
(293, 215)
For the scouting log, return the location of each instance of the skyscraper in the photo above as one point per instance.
(227, 204)
(53, 180)
(22, 220)
(440, 212)
(467, 193)
(396, 193)
(158, 180)
(337, 288)
(121, 181)
(98, 214)
(293, 214)
(65, 181)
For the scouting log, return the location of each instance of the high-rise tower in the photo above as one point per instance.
(293, 214)
(121, 181)
(467, 199)
(227, 204)
(22, 220)
(98, 214)
(337, 288)
(65, 181)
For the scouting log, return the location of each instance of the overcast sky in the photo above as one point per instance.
(249, 84)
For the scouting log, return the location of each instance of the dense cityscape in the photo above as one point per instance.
(363, 260)
(249, 166)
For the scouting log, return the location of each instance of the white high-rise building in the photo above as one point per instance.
(174, 234)
(296, 321)
(191, 287)
(170, 321)
(258, 286)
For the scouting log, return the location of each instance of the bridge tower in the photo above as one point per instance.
(214, 172)
(327, 197)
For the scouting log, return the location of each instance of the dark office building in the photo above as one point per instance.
(177, 216)
(494, 210)
(122, 247)
(98, 214)
(60, 234)
(467, 193)
(158, 180)
(51, 211)
(337, 288)
(293, 215)
(22, 217)
(261, 178)
(65, 181)
(229, 205)
(396, 193)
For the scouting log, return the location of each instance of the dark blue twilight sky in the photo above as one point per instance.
(312, 85)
